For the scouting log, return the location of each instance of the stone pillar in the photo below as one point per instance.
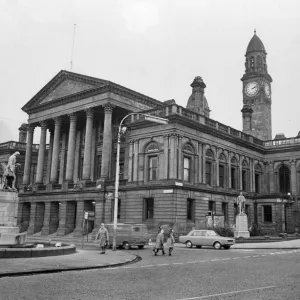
(77, 156)
(71, 148)
(107, 141)
(240, 174)
(166, 153)
(28, 155)
(99, 217)
(130, 170)
(61, 231)
(203, 164)
(55, 153)
(173, 159)
(93, 151)
(271, 173)
(41, 155)
(31, 227)
(135, 160)
(293, 178)
(86, 174)
(179, 152)
(229, 170)
(46, 225)
(200, 153)
(49, 158)
(62, 157)
(79, 218)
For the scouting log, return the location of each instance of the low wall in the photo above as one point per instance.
(37, 252)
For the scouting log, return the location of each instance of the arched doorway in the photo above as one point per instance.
(284, 180)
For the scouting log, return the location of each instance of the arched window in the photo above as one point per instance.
(259, 61)
(257, 177)
(234, 173)
(222, 162)
(188, 153)
(252, 62)
(245, 175)
(284, 179)
(209, 156)
(152, 151)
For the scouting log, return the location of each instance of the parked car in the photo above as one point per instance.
(201, 238)
(128, 235)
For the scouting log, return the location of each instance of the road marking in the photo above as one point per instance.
(146, 266)
(226, 259)
(255, 256)
(215, 259)
(246, 256)
(236, 257)
(162, 265)
(178, 263)
(229, 293)
(190, 262)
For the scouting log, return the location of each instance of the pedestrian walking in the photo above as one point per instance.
(170, 241)
(104, 238)
(159, 245)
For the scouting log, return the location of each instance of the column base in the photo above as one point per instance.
(245, 234)
(77, 232)
(45, 231)
(30, 230)
(61, 231)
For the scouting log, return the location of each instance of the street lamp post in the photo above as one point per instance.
(120, 131)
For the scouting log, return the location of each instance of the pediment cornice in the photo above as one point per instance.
(101, 86)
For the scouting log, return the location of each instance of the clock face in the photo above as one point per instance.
(267, 89)
(251, 88)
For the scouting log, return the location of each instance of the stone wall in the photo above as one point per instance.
(8, 209)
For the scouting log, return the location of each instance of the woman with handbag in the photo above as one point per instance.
(104, 238)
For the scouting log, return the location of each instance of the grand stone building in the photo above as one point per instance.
(174, 173)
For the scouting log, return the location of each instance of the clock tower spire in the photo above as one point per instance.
(257, 101)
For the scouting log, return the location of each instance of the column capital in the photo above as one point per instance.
(89, 112)
(31, 127)
(131, 142)
(43, 124)
(108, 108)
(57, 121)
(73, 117)
(292, 161)
(166, 136)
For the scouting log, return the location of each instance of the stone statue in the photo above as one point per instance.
(241, 203)
(9, 175)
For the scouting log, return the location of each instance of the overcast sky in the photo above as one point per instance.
(155, 47)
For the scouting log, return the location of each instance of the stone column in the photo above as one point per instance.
(293, 177)
(79, 218)
(271, 173)
(77, 156)
(203, 164)
(240, 174)
(31, 226)
(166, 153)
(49, 158)
(55, 153)
(93, 151)
(71, 148)
(46, 225)
(130, 171)
(229, 170)
(173, 160)
(28, 155)
(41, 155)
(62, 157)
(98, 214)
(86, 174)
(180, 171)
(107, 141)
(200, 164)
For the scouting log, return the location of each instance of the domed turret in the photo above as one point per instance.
(197, 101)
(255, 44)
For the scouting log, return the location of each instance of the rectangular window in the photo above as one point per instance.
(148, 208)
(225, 211)
(211, 206)
(153, 168)
(186, 169)
(267, 213)
(221, 175)
(208, 172)
(190, 209)
(257, 179)
(113, 209)
(233, 178)
(244, 180)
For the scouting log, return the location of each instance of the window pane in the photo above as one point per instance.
(208, 173)
(186, 169)
(221, 175)
(149, 208)
(190, 209)
(268, 213)
(152, 168)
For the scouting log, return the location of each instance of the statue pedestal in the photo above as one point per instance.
(9, 232)
(241, 226)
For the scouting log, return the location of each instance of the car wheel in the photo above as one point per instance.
(198, 246)
(226, 247)
(217, 245)
(189, 244)
(126, 246)
(141, 247)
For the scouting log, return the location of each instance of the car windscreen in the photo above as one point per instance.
(211, 233)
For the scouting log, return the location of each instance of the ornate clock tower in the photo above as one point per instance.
(257, 101)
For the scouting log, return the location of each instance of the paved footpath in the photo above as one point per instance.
(90, 258)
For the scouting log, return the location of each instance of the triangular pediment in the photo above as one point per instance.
(65, 88)
(62, 85)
